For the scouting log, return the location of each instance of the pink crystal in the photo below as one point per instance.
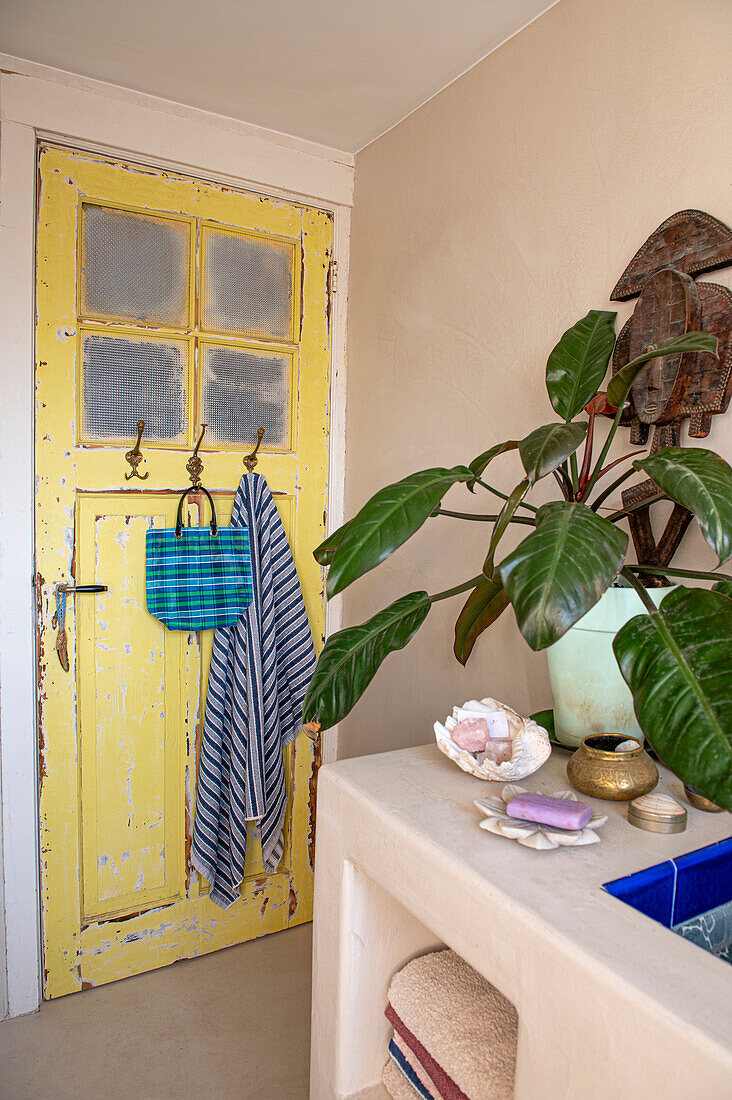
(499, 750)
(496, 720)
(471, 734)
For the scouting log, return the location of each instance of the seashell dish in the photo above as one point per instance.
(543, 838)
(531, 745)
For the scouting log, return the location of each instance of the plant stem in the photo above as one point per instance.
(503, 496)
(623, 512)
(606, 447)
(573, 472)
(636, 584)
(508, 513)
(587, 457)
(611, 488)
(562, 480)
(606, 469)
(695, 574)
(457, 589)
(526, 520)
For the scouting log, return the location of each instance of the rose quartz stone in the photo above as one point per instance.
(563, 813)
(471, 734)
(497, 721)
(499, 750)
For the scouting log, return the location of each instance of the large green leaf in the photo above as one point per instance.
(620, 383)
(483, 606)
(323, 554)
(349, 659)
(577, 365)
(479, 464)
(676, 662)
(561, 569)
(725, 587)
(388, 520)
(702, 482)
(547, 447)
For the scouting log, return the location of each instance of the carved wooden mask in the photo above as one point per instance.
(692, 385)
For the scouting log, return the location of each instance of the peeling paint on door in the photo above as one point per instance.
(120, 732)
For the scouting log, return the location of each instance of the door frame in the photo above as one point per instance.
(42, 104)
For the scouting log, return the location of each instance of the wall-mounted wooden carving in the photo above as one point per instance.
(693, 385)
(691, 241)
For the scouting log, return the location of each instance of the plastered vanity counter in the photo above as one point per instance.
(611, 1004)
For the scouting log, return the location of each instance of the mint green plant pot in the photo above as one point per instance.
(590, 695)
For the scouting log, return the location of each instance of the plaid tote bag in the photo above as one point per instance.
(198, 578)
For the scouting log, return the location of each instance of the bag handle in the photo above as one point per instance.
(179, 519)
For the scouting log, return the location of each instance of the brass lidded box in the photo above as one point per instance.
(658, 813)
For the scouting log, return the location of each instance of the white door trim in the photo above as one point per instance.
(39, 102)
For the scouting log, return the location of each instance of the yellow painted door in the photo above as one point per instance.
(178, 302)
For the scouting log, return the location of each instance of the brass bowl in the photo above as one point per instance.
(597, 770)
(702, 803)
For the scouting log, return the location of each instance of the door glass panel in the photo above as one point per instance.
(125, 379)
(244, 389)
(248, 285)
(134, 267)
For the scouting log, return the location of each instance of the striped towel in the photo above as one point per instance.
(420, 1059)
(456, 1026)
(410, 1069)
(260, 672)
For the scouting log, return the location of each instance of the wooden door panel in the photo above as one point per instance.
(114, 949)
(136, 733)
(120, 731)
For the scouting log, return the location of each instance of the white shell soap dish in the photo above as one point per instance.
(531, 834)
(531, 746)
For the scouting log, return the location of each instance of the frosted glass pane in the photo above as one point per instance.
(247, 286)
(126, 380)
(134, 267)
(244, 390)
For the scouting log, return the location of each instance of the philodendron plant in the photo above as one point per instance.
(677, 659)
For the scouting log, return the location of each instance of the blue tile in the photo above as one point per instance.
(650, 891)
(704, 880)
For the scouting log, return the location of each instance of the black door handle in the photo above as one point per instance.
(82, 589)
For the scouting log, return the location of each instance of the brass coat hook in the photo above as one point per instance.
(194, 465)
(251, 460)
(134, 457)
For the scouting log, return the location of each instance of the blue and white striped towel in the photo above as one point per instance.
(260, 672)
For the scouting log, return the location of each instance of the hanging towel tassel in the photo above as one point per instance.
(260, 672)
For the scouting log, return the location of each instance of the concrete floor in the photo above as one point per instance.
(235, 1024)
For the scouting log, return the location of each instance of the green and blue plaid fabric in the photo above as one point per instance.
(198, 581)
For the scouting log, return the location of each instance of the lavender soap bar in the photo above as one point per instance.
(560, 812)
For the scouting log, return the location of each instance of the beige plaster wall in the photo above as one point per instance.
(484, 225)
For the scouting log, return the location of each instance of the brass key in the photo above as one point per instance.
(62, 590)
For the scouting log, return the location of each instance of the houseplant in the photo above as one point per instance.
(675, 659)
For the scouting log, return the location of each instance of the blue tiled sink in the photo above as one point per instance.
(691, 894)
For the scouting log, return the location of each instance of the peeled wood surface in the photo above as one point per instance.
(116, 802)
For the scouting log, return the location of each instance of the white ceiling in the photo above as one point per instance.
(340, 72)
